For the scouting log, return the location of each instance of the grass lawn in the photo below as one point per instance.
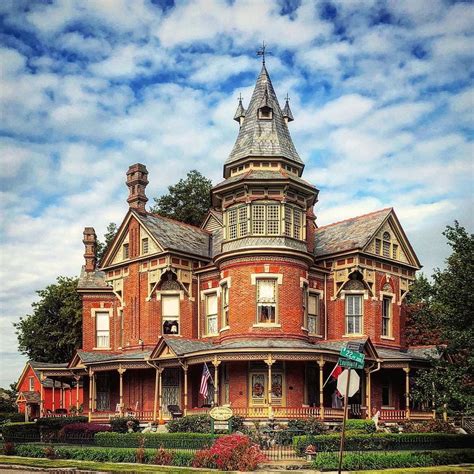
(432, 469)
(92, 465)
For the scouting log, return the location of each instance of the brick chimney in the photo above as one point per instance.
(137, 179)
(90, 243)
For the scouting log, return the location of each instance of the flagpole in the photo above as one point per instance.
(327, 380)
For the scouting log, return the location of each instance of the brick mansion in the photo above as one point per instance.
(258, 292)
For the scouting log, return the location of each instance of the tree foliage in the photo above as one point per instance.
(108, 237)
(7, 399)
(187, 201)
(54, 330)
(450, 307)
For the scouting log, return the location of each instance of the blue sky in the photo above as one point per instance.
(381, 92)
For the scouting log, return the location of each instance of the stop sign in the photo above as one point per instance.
(354, 383)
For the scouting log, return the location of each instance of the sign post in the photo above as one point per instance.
(343, 435)
(351, 358)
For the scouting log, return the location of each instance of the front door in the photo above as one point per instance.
(259, 389)
(171, 391)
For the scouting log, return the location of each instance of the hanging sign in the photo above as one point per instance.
(221, 413)
(348, 354)
(350, 364)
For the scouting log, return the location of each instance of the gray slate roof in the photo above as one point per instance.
(48, 383)
(175, 235)
(182, 346)
(267, 175)
(263, 137)
(92, 280)
(350, 234)
(91, 357)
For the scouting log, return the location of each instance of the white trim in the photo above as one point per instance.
(266, 276)
(204, 293)
(388, 338)
(303, 282)
(169, 293)
(225, 328)
(224, 281)
(365, 293)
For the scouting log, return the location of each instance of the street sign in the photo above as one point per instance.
(350, 364)
(355, 346)
(354, 383)
(348, 354)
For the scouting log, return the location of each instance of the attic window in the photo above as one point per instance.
(145, 245)
(265, 113)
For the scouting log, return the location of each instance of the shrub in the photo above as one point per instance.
(238, 424)
(49, 452)
(192, 441)
(120, 424)
(429, 426)
(190, 424)
(179, 458)
(21, 432)
(163, 457)
(357, 461)
(56, 423)
(383, 441)
(11, 417)
(367, 426)
(8, 449)
(82, 432)
(233, 452)
(309, 426)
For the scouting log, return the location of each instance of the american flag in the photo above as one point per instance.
(206, 375)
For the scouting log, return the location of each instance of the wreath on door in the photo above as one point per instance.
(258, 389)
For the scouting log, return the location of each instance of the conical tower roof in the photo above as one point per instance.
(264, 137)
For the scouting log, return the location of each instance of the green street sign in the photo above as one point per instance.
(350, 364)
(348, 354)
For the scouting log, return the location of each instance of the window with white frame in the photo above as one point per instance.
(386, 316)
(273, 219)
(225, 304)
(293, 222)
(266, 301)
(232, 223)
(170, 313)
(125, 251)
(354, 314)
(102, 329)
(211, 313)
(258, 219)
(31, 381)
(243, 221)
(313, 314)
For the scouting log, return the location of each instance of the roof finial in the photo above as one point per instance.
(287, 98)
(262, 51)
(240, 97)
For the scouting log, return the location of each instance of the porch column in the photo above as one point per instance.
(41, 394)
(216, 364)
(94, 390)
(321, 388)
(160, 393)
(185, 370)
(368, 394)
(77, 378)
(269, 361)
(155, 398)
(121, 371)
(54, 395)
(61, 396)
(407, 392)
(91, 387)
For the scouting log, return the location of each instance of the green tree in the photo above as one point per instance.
(187, 201)
(451, 382)
(108, 237)
(54, 330)
(7, 399)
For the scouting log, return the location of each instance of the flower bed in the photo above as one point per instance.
(383, 441)
(190, 441)
(357, 461)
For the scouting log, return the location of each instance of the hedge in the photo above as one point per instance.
(384, 441)
(190, 424)
(21, 432)
(56, 423)
(193, 441)
(367, 426)
(358, 461)
(7, 417)
(177, 458)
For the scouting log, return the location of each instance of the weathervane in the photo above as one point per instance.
(287, 98)
(240, 97)
(262, 51)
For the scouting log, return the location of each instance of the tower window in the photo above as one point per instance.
(265, 113)
(266, 301)
(313, 314)
(258, 219)
(211, 314)
(225, 305)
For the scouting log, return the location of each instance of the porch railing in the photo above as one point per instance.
(402, 415)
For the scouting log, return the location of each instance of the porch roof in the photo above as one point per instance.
(95, 357)
(29, 397)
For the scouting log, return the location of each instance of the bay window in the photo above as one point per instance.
(211, 313)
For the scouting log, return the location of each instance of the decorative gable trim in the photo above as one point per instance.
(162, 351)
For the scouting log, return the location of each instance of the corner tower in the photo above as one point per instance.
(265, 203)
